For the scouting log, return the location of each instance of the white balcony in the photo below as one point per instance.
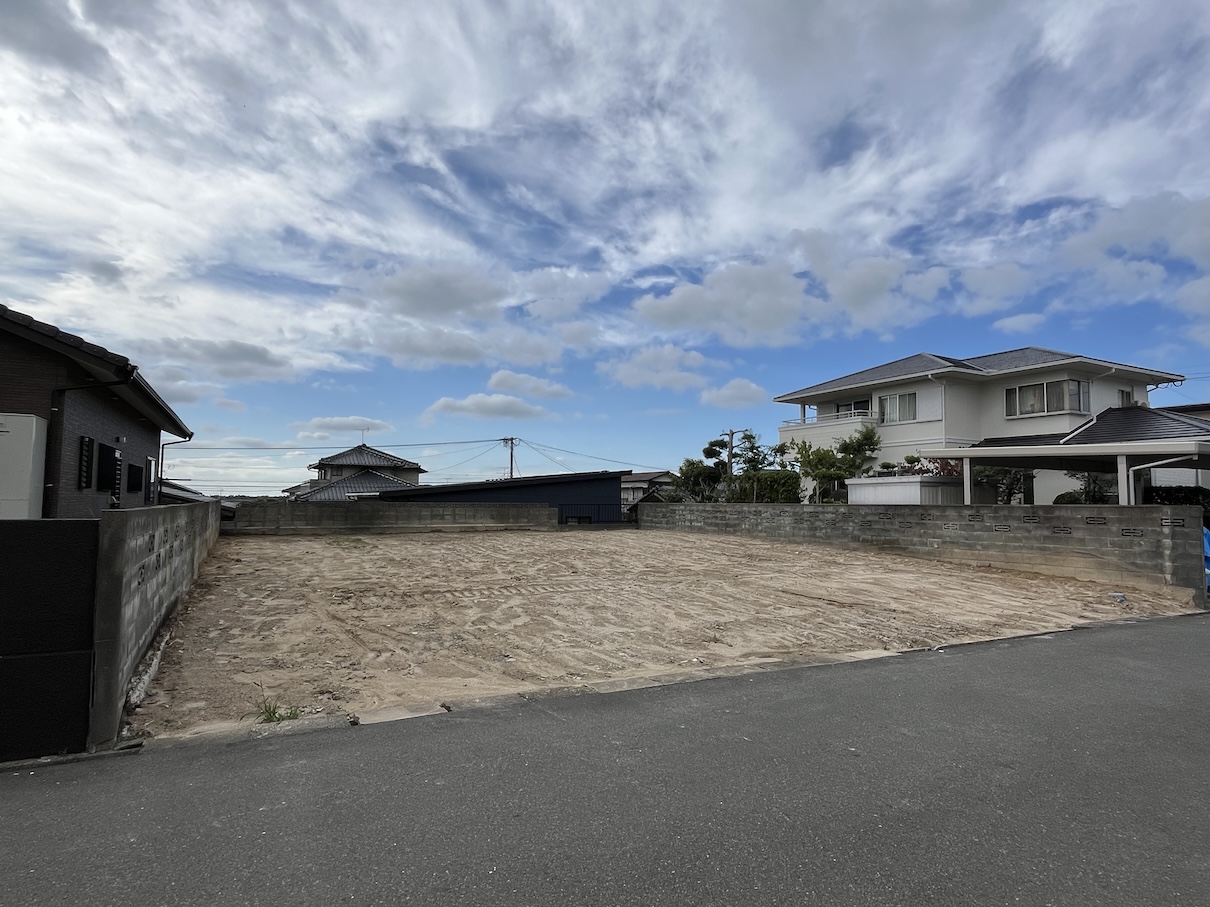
(824, 430)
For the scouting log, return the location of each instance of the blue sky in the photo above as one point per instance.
(611, 229)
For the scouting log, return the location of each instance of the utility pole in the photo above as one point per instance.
(511, 444)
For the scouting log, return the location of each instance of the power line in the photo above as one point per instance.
(490, 447)
(548, 456)
(591, 457)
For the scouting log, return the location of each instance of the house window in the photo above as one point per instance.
(134, 479)
(1051, 397)
(1126, 398)
(848, 409)
(109, 469)
(897, 408)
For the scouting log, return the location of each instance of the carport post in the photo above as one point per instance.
(1125, 486)
(968, 484)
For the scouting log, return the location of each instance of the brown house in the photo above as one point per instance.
(79, 426)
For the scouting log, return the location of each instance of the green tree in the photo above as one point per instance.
(1007, 483)
(1095, 487)
(697, 481)
(755, 473)
(828, 467)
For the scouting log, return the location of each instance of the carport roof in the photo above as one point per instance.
(1140, 434)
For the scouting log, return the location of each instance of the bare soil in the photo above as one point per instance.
(339, 623)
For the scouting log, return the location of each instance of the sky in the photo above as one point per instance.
(611, 230)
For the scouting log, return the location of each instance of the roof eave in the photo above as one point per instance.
(1189, 446)
(801, 396)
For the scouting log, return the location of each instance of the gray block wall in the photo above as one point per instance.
(147, 559)
(300, 518)
(1127, 546)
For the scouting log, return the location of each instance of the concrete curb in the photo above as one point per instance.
(605, 687)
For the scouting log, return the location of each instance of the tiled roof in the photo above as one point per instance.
(1187, 408)
(557, 479)
(639, 477)
(365, 482)
(1021, 440)
(1138, 423)
(364, 455)
(919, 364)
(1116, 425)
(105, 366)
(1023, 358)
(931, 363)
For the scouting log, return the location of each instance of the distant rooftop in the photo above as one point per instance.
(364, 455)
(365, 482)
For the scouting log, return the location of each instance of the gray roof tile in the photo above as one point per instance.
(925, 363)
(365, 482)
(919, 364)
(1138, 423)
(364, 455)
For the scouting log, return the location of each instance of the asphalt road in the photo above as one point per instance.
(1064, 770)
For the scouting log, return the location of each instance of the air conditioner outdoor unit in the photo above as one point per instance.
(22, 466)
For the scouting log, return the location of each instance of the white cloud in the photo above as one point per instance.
(738, 393)
(1194, 297)
(484, 406)
(284, 188)
(341, 424)
(745, 305)
(1024, 323)
(560, 292)
(926, 285)
(442, 292)
(999, 280)
(664, 367)
(529, 385)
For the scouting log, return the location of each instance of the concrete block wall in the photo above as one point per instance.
(147, 559)
(1127, 546)
(300, 518)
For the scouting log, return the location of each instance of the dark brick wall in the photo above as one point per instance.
(29, 375)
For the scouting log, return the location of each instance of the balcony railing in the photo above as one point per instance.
(827, 418)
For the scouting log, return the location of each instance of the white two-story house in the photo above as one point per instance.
(928, 401)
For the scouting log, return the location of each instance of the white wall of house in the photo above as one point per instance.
(1181, 477)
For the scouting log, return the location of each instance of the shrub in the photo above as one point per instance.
(1069, 497)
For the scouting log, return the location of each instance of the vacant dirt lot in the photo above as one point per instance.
(336, 623)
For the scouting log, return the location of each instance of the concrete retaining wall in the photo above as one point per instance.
(147, 559)
(1127, 546)
(297, 518)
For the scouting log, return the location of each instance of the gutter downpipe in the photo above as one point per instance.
(1133, 469)
(160, 478)
(944, 436)
(1095, 379)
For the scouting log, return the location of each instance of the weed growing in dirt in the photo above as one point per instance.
(269, 711)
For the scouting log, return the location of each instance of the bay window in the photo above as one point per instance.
(1048, 397)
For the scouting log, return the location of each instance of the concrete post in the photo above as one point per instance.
(968, 482)
(1125, 489)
